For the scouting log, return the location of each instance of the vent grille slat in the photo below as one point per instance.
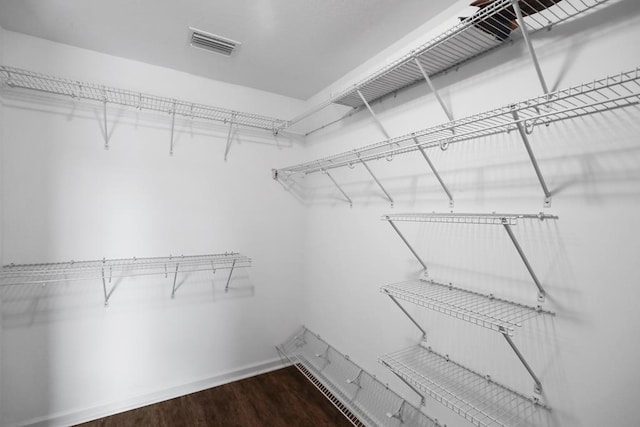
(212, 43)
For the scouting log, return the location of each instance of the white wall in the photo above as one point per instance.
(588, 354)
(66, 357)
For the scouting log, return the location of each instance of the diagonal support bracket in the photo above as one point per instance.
(398, 414)
(424, 333)
(356, 380)
(434, 90)
(106, 130)
(324, 171)
(173, 125)
(435, 172)
(532, 157)
(226, 150)
(418, 392)
(379, 123)
(537, 388)
(107, 294)
(415, 254)
(527, 40)
(541, 291)
(175, 277)
(226, 288)
(377, 182)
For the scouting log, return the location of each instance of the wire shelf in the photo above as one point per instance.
(479, 309)
(472, 37)
(612, 92)
(23, 79)
(475, 397)
(361, 397)
(24, 274)
(466, 218)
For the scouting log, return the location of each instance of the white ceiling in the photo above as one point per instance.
(289, 47)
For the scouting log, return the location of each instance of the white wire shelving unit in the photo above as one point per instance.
(475, 397)
(597, 96)
(16, 78)
(361, 397)
(472, 37)
(113, 270)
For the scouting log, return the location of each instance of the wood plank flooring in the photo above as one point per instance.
(279, 398)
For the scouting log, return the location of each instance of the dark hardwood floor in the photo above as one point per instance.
(279, 398)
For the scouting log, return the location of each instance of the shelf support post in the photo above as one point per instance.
(434, 90)
(538, 385)
(415, 254)
(532, 157)
(106, 131)
(422, 400)
(527, 39)
(175, 277)
(226, 150)
(376, 180)
(324, 171)
(173, 123)
(356, 380)
(541, 291)
(435, 172)
(226, 288)
(424, 333)
(384, 131)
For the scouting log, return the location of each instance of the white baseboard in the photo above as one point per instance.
(92, 413)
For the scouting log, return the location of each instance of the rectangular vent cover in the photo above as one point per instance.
(212, 42)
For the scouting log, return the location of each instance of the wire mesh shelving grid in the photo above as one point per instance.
(475, 397)
(361, 397)
(466, 218)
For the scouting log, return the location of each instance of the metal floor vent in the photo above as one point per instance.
(212, 42)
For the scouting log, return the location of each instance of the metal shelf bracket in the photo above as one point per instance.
(537, 388)
(106, 131)
(356, 380)
(424, 333)
(527, 39)
(233, 265)
(377, 120)
(398, 413)
(532, 157)
(435, 172)
(422, 399)
(324, 171)
(173, 124)
(376, 180)
(415, 254)
(434, 90)
(229, 135)
(175, 278)
(541, 291)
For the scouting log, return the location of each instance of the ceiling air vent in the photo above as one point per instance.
(212, 43)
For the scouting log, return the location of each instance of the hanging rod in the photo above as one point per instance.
(23, 79)
(475, 397)
(359, 396)
(597, 96)
(450, 49)
(506, 220)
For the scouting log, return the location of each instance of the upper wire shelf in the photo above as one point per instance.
(472, 37)
(24, 79)
(475, 397)
(466, 218)
(483, 310)
(361, 397)
(24, 274)
(615, 91)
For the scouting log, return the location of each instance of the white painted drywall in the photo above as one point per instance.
(588, 355)
(64, 355)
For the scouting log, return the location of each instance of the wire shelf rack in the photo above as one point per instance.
(24, 79)
(361, 397)
(466, 218)
(479, 309)
(597, 96)
(472, 37)
(475, 397)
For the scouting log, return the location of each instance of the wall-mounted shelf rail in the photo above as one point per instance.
(597, 96)
(472, 37)
(112, 270)
(475, 397)
(24, 79)
(483, 310)
(361, 397)
(506, 220)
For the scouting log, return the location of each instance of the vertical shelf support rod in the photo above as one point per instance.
(175, 277)
(226, 288)
(541, 291)
(532, 157)
(173, 123)
(226, 150)
(337, 185)
(435, 172)
(377, 182)
(424, 333)
(433, 89)
(384, 131)
(538, 385)
(527, 39)
(422, 400)
(415, 254)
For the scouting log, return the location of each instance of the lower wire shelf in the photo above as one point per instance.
(475, 397)
(359, 396)
(484, 310)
